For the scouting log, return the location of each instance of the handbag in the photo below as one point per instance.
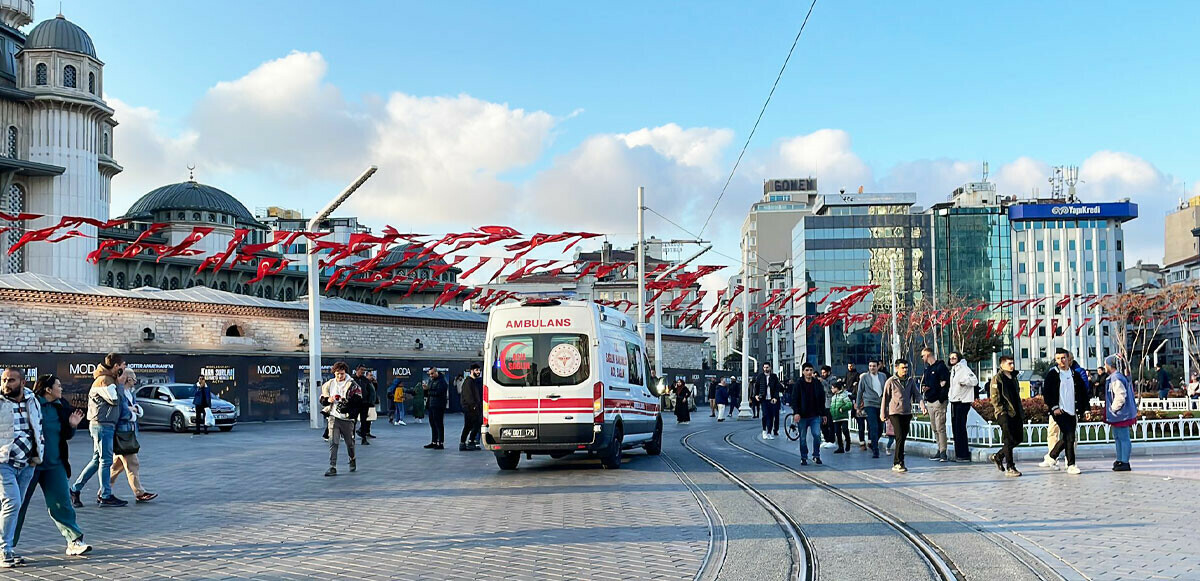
(125, 443)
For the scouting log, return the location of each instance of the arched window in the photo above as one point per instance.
(108, 279)
(268, 293)
(224, 286)
(69, 76)
(137, 281)
(233, 331)
(237, 289)
(41, 74)
(165, 284)
(92, 83)
(13, 142)
(120, 280)
(104, 144)
(289, 294)
(212, 217)
(224, 219)
(174, 282)
(15, 204)
(181, 216)
(258, 292)
(195, 216)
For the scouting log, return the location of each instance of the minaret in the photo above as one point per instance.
(16, 13)
(71, 127)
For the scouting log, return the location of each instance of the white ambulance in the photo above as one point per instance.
(564, 377)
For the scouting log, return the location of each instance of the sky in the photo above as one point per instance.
(548, 116)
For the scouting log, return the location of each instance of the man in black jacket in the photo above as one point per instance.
(1066, 394)
(1005, 394)
(472, 406)
(935, 388)
(767, 391)
(808, 407)
(368, 401)
(436, 408)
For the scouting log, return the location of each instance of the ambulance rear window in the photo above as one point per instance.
(541, 360)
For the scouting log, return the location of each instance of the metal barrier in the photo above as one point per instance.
(1087, 432)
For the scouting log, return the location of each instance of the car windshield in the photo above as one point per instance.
(183, 391)
(547, 359)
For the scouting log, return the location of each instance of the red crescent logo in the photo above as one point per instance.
(504, 361)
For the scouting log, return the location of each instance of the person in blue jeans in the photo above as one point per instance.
(20, 452)
(1120, 412)
(868, 400)
(808, 408)
(103, 413)
(1164, 382)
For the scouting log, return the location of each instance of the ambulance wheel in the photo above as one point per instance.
(654, 446)
(508, 460)
(612, 457)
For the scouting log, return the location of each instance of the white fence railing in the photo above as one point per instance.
(1088, 432)
(1171, 404)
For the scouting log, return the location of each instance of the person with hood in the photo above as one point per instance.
(1005, 394)
(867, 402)
(683, 411)
(1120, 407)
(102, 415)
(1066, 394)
(471, 400)
(962, 392)
(899, 393)
(418, 400)
(202, 401)
(839, 408)
(59, 421)
(21, 449)
(722, 398)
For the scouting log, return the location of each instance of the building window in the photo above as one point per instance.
(224, 219)
(212, 217)
(1021, 246)
(92, 83)
(1021, 268)
(40, 74)
(181, 216)
(69, 76)
(1087, 244)
(120, 280)
(1070, 245)
(104, 144)
(1024, 289)
(1024, 353)
(1088, 266)
(195, 216)
(1040, 246)
(1041, 288)
(15, 205)
(1057, 265)
(12, 141)
(1057, 288)
(1041, 267)
(1118, 245)
(1055, 245)
(1091, 286)
(1104, 245)
(1119, 266)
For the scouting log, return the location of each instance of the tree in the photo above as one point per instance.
(977, 345)
(1042, 367)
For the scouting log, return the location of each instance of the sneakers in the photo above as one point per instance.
(839, 451)
(111, 501)
(145, 497)
(77, 548)
(430, 446)
(1073, 469)
(901, 469)
(372, 436)
(1012, 473)
(331, 472)
(1048, 462)
(400, 423)
(862, 446)
(353, 465)
(12, 561)
(804, 461)
(75, 502)
(1122, 467)
(895, 467)
(999, 462)
(764, 435)
(828, 445)
(439, 447)
(889, 450)
(816, 459)
(939, 457)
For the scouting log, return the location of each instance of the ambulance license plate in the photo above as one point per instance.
(518, 433)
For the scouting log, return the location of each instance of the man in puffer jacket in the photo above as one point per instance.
(962, 392)
(103, 413)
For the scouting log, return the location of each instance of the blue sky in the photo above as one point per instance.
(966, 81)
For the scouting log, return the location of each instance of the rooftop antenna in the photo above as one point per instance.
(1071, 178)
(985, 171)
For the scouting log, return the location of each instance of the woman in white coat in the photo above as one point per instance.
(962, 392)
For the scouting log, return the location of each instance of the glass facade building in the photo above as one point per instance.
(972, 260)
(854, 240)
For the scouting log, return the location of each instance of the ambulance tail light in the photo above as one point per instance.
(598, 402)
(485, 404)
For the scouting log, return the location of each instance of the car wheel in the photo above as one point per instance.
(508, 460)
(225, 428)
(177, 423)
(612, 458)
(654, 446)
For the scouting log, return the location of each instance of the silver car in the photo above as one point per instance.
(169, 405)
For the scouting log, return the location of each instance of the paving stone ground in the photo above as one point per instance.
(253, 503)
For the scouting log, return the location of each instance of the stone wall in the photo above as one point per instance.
(679, 352)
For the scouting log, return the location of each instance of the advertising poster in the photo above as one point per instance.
(76, 372)
(222, 382)
(266, 395)
(302, 376)
(153, 373)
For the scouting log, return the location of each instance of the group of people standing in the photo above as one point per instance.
(35, 427)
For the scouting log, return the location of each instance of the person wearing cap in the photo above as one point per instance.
(1120, 411)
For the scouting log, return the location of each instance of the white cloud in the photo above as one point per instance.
(699, 147)
(150, 158)
(825, 154)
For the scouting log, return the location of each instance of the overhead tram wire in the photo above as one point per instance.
(760, 116)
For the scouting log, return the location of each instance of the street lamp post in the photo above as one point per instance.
(314, 300)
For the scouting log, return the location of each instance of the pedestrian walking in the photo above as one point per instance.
(935, 389)
(712, 398)
(867, 402)
(722, 398)
(850, 380)
(683, 412)
(419, 390)
(899, 393)
(367, 407)
(735, 395)
(963, 382)
(1120, 407)
(755, 403)
(1004, 391)
(839, 408)
(102, 415)
(827, 380)
(202, 401)
(1163, 380)
(125, 443)
(341, 397)
(1066, 396)
(59, 421)
(436, 399)
(768, 390)
(808, 399)
(1053, 433)
(397, 391)
(471, 400)
(21, 445)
